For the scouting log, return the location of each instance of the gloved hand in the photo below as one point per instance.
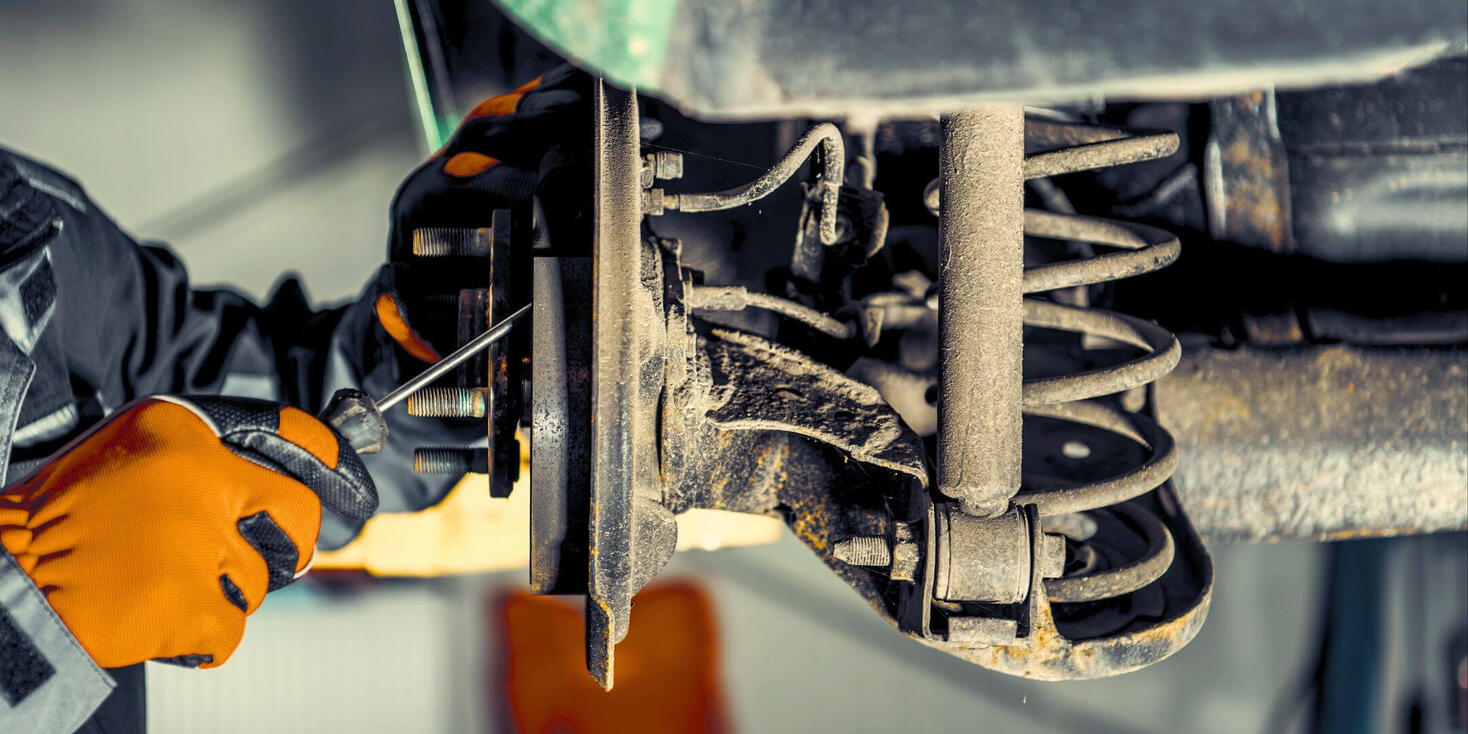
(153, 535)
(506, 149)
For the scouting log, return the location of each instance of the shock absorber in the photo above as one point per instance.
(1057, 549)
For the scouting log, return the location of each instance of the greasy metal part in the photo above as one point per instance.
(832, 171)
(1126, 579)
(759, 385)
(820, 58)
(490, 382)
(981, 264)
(501, 370)
(450, 460)
(661, 165)
(1321, 443)
(448, 402)
(1144, 249)
(631, 534)
(684, 416)
(1160, 590)
(560, 484)
(1050, 641)
(1058, 646)
(982, 630)
(1056, 147)
(475, 307)
(862, 220)
(738, 298)
(1161, 353)
(453, 242)
(863, 550)
(981, 559)
(1159, 465)
(1246, 175)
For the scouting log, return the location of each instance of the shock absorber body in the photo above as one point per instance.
(1052, 547)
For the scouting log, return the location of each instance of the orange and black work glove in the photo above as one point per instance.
(153, 535)
(506, 150)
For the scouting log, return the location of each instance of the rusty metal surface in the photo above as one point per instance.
(560, 482)
(1127, 578)
(632, 536)
(1150, 628)
(759, 385)
(787, 58)
(1318, 443)
(1246, 175)
(980, 311)
(1138, 583)
(831, 162)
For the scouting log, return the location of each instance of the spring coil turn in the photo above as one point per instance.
(1067, 148)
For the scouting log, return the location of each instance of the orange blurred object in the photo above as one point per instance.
(667, 669)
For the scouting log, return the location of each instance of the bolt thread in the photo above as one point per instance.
(447, 402)
(449, 241)
(443, 460)
(863, 550)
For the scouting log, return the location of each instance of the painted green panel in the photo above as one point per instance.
(627, 40)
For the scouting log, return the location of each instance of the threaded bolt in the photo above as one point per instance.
(448, 402)
(456, 461)
(450, 241)
(863, 550)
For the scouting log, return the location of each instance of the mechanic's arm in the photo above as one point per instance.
(153, 534)
(128, 324)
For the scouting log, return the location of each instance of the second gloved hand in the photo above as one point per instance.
(505, 150)
(155, 534)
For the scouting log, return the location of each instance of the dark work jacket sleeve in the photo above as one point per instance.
(126, 323)
(89, 320)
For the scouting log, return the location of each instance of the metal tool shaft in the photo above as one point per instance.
(440, 368)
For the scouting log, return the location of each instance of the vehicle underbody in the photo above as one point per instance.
(1004, 320)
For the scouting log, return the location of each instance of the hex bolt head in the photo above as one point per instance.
(449, 402)
(655, 202)
(906, 560)
(863, 550)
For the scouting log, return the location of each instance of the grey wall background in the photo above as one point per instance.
(253, 137)
(268, 136)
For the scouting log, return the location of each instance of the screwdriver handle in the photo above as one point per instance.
(358, 418)
(354, 414)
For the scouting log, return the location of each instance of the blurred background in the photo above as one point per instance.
(264, 137)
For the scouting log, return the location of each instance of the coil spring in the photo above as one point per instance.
(1067, 148)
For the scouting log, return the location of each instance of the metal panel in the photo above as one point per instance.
(1320, 443)
(833, 57)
